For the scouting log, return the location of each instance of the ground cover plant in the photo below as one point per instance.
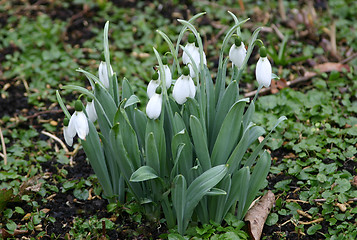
(50, 191)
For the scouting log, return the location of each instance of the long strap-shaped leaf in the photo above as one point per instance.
(179, 200)
(256, 151)
(228, 135)
(200, 187)
(239, 191)
(200, 143)
(256, 181)
(94, 152)
(224, 104)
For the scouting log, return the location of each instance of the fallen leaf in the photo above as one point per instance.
(331, 66)
(257, 215)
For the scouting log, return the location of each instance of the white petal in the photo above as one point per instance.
(168, 76)
(151, 89)
(103, 74)
(153, 108)
(237, 54)
(81, 125)
(192, 88)
(71, 131)
(184, 88)
(190, 47)
(263, 72)
(92, 114)
(67, 136)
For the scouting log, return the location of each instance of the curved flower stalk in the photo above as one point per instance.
(153, 84)
(263, 70)
(103, 74)
(237, 52)
(90, 109)
(78, 124)
(195, 54)
(184, 87)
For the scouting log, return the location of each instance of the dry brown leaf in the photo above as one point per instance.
(331, 66)
(257, 215)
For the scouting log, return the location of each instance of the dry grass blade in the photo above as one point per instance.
(4, 155)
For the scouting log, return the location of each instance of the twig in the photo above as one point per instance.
(350, 58)
(56, 139)
(289, 83)
(4, 155)
(324, 200)
(311, 222)
(44, 112)
(305, 214)
(278, 32)
(282, 10)
(296, 200)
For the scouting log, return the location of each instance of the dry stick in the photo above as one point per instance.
(311, 222)
(282, 10)
(289, 83)
(56, 139)
(333, 39)
(324, 200)
(4, 155)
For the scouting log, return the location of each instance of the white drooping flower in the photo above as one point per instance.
(195, 54)
(153, 108)
(90, 109)
(68, 133)
(184, 87)
(153, 84)
(263, 70)
(78, 124)
(103, 74)
(237, 52)
(168, 75)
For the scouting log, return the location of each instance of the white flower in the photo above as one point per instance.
(168, 76)
(153, 84)
(263, 72)
(90, 109)
(103, 74)
(184, 88)
(78, 124)
(68, 135)
(237, 54)
(153, 108)
(195, 54)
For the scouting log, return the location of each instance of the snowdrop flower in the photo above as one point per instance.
(153, 84)
(78, 124)
(237, 52)
(153, 108)
(168, 75)
(184, 87)
(103, 74)
(195, 54)
(67, 133)
(263, 70)
(90, 109)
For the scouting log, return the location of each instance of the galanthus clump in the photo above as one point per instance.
(103, 74)
(153, 84)
(90, 109)
(237, 52)
(184, 87)
(153, 108)
(78, 124)
(195, 54)
(168, 75)
(263, 70)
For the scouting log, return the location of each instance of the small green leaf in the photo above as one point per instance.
(272, 219)
(313, 229)
(144, 173)
(133, 99)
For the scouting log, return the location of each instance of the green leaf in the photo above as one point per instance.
(257, 179)
(200, 187)
(200, 143)
(143, 173)
(179, 200)
(239, 191)
(152, 155)
(228, 134)
(313, 229)
(272, 219)
(133, 99)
